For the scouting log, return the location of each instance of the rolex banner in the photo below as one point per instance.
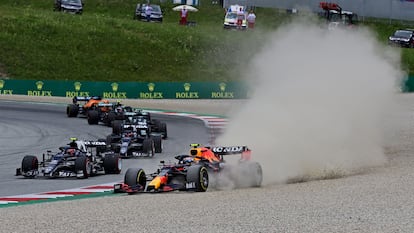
(123, 90)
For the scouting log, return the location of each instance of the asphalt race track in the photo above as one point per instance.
(32, 129)
(378, 199)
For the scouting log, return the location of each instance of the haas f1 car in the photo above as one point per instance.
(80, 159)
(193, 172)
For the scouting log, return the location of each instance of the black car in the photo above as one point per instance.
(69, 6)
(403, 38)
(156, 13)
(80, 159)
(135, 139)
(155, 125)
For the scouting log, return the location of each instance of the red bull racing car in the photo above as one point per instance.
(193, 172)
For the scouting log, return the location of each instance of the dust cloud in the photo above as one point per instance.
(318, 103)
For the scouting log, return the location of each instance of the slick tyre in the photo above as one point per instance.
(197, 178)
(148, 147)
(93, 117)
(249, 175)
(29, 163)
(117, 127)
(110, 118)
(72, 110)
(82, 166)
(112, 164)
(112, 138)
(157, 144)
(134, 176)
(163, 130)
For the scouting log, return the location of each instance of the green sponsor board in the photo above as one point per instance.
(123, 90)
(408, 84)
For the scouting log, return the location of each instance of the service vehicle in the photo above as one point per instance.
(232, 15)
(336, 16)
(156, 13)
(402, 38)
(69, 6)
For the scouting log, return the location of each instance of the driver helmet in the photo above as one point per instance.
(71, 151)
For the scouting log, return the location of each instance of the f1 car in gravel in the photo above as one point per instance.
(80, 159)
(193, 172)
(135, 139)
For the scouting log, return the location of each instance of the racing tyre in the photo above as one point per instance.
(197, 178)
(163, 130)
(156, 123)
(157, 144)
(82, 165)
(117, 127)
(112, 164)
(111, 138)
(110, 118)
(93, 117)
(72, 110)
(148, 147)
(134, 176)
(29, 163)
(250, 175)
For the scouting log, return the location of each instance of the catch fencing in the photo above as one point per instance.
(386, 9)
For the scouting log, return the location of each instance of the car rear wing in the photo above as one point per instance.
(232, 150)
(85, 98)
(135, 126)
(105, 104)
(94, 143)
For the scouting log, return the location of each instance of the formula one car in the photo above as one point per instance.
(192, 172)
(107, 113)
(156, 126)
(135, 139)
(80, 159)
(77, 108)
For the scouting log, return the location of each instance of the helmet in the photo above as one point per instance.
(70, 151)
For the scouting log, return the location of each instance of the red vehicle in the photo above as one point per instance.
(336, 15)
(192, 172)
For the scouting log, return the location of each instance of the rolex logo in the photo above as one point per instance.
(114, 86)
(77, 86)
(2, 83)
(187, 86)
(151, 86)
(222, 86)
(39, 85)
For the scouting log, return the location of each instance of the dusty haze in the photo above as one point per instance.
(317, 107)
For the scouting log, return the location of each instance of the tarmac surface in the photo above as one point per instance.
(378, 199)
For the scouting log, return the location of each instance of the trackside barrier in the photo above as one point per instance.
(125, 90)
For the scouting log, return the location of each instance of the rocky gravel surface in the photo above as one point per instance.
(378, 199)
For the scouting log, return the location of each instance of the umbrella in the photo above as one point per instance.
(188, 7)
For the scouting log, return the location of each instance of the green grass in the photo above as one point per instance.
(105, 44)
